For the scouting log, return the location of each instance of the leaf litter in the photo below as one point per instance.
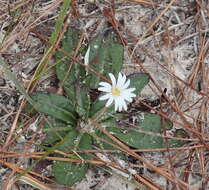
(168, 51)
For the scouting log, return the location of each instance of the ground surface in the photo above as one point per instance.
(167, 39)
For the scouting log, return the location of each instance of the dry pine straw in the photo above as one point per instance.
(168, 40)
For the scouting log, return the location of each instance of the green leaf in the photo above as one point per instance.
(72, 74)
(85, 142)
(105, 146)
(138, 81)
(115, 56)
(136, 138)
(55, 130)
(106, 56)
(96, 107)
(57, 106)
(59, 22)
(68, 143)
(68, 72)
(68, 173)
(102, 145)
(75, 139)
(150, 122)
(97, 61)
(106, 117)
(83, 101)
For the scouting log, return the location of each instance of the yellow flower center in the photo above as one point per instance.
(115, 92)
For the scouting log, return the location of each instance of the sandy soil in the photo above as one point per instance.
(170, 41)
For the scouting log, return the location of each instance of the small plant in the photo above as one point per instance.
(72, 115)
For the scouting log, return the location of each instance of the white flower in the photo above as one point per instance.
(117, 92)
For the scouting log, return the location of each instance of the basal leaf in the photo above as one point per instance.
(60, 19)
(57, 106)
(102, 145)
(68, 173)
(115, 56)
(55, 130)
(149, 122)
(96, 107)
(75, 140)
(68, 143)
(136, 138)
(106, 117)
(106, 56)
(83, 101)
(138, 81)
(97, 56)
(72, 75)
(68, 72)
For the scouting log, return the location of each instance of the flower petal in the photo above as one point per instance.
(113, 80)
(116, 104)
(109, 102)
(120, 82)
(120, 77)
(120, 107)
(128, 99)
(128, 90)
(131, 89)
(126, 95)
(105, 84)
(104, 97)
(124, 79)
(126, 84)
(104, 89)
(124, 104)
(86, 57)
